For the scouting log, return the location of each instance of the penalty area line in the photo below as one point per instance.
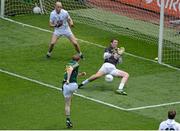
(85, 97)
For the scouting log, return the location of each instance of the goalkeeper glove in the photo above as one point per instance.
(121, 50)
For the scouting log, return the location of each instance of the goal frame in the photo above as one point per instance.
(2, 8)
(161, 32)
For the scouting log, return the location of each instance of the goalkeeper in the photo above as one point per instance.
(70, 85)
(61, 21)
(112, 57)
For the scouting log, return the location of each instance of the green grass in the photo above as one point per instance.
(31, 106)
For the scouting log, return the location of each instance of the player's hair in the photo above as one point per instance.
(171, 114)
(113, 40)
(76, 57)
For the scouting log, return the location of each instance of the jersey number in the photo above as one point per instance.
(170, 129)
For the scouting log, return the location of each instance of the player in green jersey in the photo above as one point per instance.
(70, 85)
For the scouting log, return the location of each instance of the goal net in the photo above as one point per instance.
(136, 19)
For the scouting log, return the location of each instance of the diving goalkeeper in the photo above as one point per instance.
(112, 56)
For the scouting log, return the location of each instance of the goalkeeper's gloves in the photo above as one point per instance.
(121, 50)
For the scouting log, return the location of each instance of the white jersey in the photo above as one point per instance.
(63, 17)
(169, 125)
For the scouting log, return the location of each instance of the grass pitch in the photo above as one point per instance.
(25, 105)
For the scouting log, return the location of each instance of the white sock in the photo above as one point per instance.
(121, 86)
(48, 53)
(85, 82)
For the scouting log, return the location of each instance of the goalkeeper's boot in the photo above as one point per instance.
(121, 92)
(48, 55)
(69, 124)
(80, 85)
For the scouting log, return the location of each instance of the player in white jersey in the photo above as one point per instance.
(170, 124)
(61, 21)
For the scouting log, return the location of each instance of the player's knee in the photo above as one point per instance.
(126, 75)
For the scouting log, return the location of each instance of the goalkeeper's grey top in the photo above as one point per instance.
(112, 59)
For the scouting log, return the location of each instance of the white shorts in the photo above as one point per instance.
(69, 89)
(108, 68)
(63, 32)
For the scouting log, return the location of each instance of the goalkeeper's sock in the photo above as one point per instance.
(121, 86)
(85, 82)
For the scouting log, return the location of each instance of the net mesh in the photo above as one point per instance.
(137, 19)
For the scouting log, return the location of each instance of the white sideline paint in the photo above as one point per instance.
(88, 98)
(87, 42)
(153, 106)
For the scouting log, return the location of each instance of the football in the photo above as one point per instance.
(36, 10)
(109, 78)
(156, 59)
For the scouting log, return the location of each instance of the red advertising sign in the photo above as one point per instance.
(172, 7)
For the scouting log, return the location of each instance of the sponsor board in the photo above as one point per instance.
(172, 7)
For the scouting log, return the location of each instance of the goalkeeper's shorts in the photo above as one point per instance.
(108, 68)
(69, 89)
(63, 32)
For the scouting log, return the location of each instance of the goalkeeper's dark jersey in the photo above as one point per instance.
(111, 59)
(74, 74)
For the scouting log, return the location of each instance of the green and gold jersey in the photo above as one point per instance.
(75, 66)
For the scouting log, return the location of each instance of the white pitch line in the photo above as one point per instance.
(85, 97)
(91, 43)
(54, 87)
(153, 106)
(29, 79)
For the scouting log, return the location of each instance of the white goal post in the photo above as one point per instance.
(161, 30)
(2, 8)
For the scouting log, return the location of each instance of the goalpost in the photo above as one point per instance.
(154, 21)
(2, 8)
(161, 30)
